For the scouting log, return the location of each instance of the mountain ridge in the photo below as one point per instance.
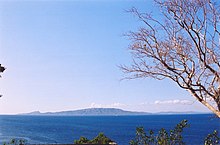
(105, 112)
(89, 112)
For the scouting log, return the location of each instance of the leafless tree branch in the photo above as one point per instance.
(185, 48)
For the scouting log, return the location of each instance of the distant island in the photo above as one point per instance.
(102, 112)
(90, 112)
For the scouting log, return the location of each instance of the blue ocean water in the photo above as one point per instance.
(65, 129)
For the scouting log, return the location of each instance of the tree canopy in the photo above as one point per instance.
(99, 139)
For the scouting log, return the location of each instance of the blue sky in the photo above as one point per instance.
(64, 55)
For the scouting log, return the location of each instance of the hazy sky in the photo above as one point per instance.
(64, 55)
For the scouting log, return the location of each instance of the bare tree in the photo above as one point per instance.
(184, 47)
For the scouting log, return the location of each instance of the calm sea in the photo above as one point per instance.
(64, 129)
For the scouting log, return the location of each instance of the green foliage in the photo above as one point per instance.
(174, 137)
(82, 140)
(212, 139)
(162, 138)
(16, 142)
(100, 139)
(142, 138)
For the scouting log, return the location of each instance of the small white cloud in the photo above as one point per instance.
(181, 102)
(94, 105)
(114, 105)
(144, 103)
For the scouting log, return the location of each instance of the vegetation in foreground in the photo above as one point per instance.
(100, 139)
(16, 142)
(173, 137)
(164, 137)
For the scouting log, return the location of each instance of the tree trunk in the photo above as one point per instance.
(210, 107)
(217, 112)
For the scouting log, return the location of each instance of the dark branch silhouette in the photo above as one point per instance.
(2, 69)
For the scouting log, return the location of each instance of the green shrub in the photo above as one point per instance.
(16, 142)
(174, 137)
(82, 140)
(212, 139)
(100, 139)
